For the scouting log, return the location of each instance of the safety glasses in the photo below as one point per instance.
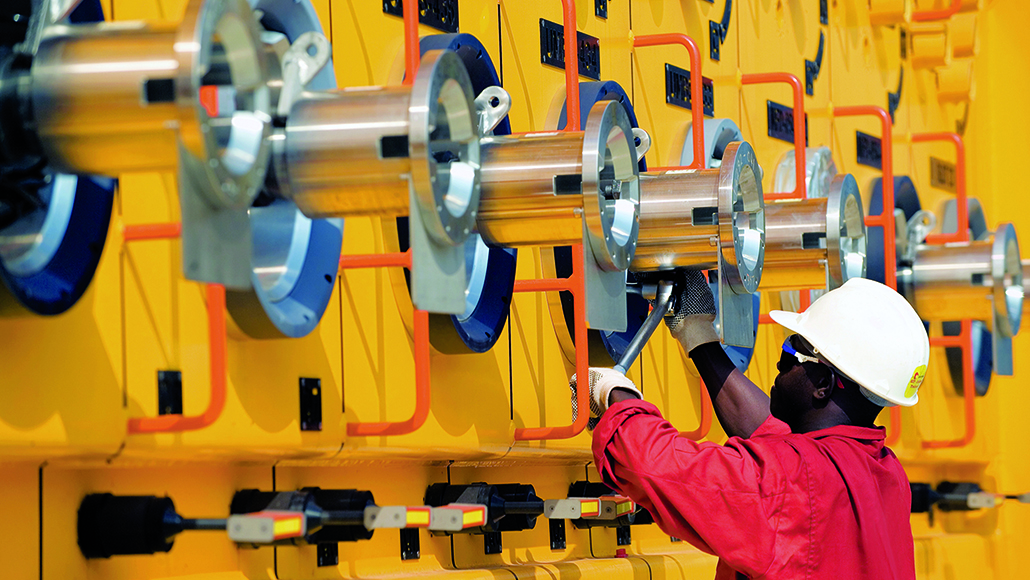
(788, 348)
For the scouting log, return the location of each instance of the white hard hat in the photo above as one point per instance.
(871, 334)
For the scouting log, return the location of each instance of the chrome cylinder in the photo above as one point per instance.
(538, 188)
(115, 97)
(816, 242)
(355, 152)
(982, 280)
(685, 214)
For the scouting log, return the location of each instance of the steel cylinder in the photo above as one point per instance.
(685, 214)
(132, 96)
(815, 243)
(347, 153)
(532, 190)
(360, 152)
(541, 189)
(982, 280)
(104, 97)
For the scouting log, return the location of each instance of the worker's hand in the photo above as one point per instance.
(602, 382)
(694, 310)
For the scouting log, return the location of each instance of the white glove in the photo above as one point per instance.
(602, 382)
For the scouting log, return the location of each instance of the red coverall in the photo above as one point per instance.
(832, 504)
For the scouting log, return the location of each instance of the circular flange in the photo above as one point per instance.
(1007, 280)
(444, 145)
(295, 259)
(742, 217)
(820, 170)
(220, 51)
(719, 133)
(906, 198)
(611, 186)
(48, 258)
(845, 232)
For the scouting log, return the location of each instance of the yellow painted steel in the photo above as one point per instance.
(69, 383)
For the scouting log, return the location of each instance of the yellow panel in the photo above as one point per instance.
(20, 548)
(197, 490)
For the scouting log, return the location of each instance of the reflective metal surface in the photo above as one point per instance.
(685, 213)
(982, 280)
(117, 97)
(816, 243)
(354, 152)
(28, 245)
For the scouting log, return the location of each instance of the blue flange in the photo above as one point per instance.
(490, 271)
(50, 273)
(906, 198)
(295, 259)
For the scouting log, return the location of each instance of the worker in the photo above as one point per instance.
(804, 487)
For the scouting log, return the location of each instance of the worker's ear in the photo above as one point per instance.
(823, 388)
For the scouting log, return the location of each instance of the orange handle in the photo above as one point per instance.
(799, 129)
(576, 283)
(944, 14)
(572, 112)
(886, 218)
(706, 417)
(411, 48)
(964, 342)
(697, 108)
(962, 232)
(216, 401)
(140, 232)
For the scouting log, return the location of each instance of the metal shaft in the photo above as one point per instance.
(204, 524)
(532, 190)
(525, 508)
(679, 220)
(953, 282)
(795, 245)
(662, 305)
(347, 153)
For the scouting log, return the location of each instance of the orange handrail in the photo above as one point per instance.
(160, 231)
(576, 284)
(412, 52)
(697, 104)
(572, 112)
(799, 130)
(963, 341)
(420, 340)
(886, 218)
(706, 417)
(216, 402)
(961, 234)
(943, 14)
(216, 346)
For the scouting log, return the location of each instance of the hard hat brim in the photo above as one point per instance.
(789, 320)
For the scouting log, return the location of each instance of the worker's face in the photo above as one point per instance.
(793, 391)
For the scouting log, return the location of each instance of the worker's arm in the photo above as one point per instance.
(740, 405)
(721, 499)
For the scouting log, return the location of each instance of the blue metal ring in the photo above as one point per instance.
(481, 325)
(53, 286)
(293, 306)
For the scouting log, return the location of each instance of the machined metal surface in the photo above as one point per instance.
(117, 97)
(539, 189)
(355, 152)
(816, 242)
(687, 216)
(982, 280)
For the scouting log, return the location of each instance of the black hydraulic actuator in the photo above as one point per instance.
(953, 496)
(509, 507)
(111, 525)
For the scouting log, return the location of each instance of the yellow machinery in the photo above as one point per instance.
(249, 157)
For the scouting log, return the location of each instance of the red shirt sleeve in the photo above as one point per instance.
(720, 498)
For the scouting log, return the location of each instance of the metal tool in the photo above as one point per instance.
(663, 303)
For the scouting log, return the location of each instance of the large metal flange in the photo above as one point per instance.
(1007, 280)
(224, 100)
(741, 217)
(845, 232)
(444, 146)
(611, 186)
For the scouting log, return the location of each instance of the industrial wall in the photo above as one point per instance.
(70, 384)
